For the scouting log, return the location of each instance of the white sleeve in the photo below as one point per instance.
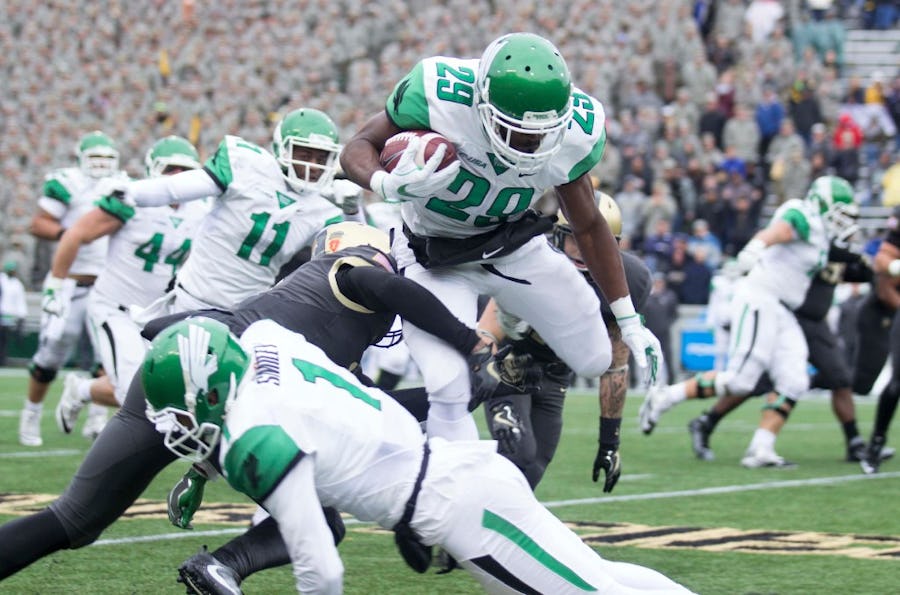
(296, 507)
(181, 187)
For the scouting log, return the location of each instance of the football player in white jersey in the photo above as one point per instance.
(147, 246)
(297, 432)
(520, 128)
(265, 209)
(766, 337)
(68, 193)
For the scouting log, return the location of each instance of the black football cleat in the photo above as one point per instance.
(700, 438)
(202, 574)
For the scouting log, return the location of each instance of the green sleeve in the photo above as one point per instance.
(336, 219)
(798, 221)
(407, 106)
(259, 459)
(53, 188)
(219, 166)
(592, 158)
(116, 208)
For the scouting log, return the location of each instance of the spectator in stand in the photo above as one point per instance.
(785, 143)
(699, 77)
(795, 174)
(711, 156)
(830, 92)
(730, 18)
(658, 246)
(763, 15)
(637, 166)
(846, 155)
(742, 134)
(819, 141)
(631, 201)
(702, 238)
(659, 206)
(684, 110)
(769, 116)
(803, 108)
(711, 207)
(712, 120)
(697, 273)
(877, 174)
(890, 185)
(819, 164)
(726, 92)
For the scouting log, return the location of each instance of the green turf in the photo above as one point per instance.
(777, 527)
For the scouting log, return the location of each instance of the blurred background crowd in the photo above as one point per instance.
(715, 109)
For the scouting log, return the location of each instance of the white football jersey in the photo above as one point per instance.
(147, 251)
(295, 402)
(256, 225)
(786, 270)
(68, 194)
(438, 94)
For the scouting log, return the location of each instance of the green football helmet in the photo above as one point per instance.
(97, 155)
(190, 375)
(833, 197)
(524, 98)
(306, 145)
(171, 152)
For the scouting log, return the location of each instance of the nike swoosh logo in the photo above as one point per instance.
(486, 255)
(216, 572)
(401, 190)
(524, 175)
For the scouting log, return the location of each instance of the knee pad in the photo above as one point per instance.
(41, 374)
(782, 405)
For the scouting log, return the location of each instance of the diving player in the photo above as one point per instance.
(520, 128)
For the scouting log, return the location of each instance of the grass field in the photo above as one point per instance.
(713, 526)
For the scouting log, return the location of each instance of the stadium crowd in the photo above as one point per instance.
(713, 108)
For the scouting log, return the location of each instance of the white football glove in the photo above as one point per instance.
(643, 344)
(55, 300)
(749, 256)
(345, 194)
(408, 180)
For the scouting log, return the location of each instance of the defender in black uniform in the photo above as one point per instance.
(876, 338)
(342, 300)
(523, 392)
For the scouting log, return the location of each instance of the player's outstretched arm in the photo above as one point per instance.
(94, 224)
(178, 188)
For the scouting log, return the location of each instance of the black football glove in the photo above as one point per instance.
(609, 460)
(502, 374)
(506, 427)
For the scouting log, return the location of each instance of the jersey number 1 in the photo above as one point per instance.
(313, 371)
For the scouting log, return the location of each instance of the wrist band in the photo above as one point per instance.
(609, 432)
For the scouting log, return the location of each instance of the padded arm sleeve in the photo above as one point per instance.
(182, 187)
(381, 291)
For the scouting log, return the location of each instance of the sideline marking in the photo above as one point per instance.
(558, 503)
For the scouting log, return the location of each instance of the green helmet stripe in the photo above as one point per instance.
(406, 106)
(592, 159)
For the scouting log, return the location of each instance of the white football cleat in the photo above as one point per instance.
(30, 428)
(762, 457)
(70, 404)
(94, 424)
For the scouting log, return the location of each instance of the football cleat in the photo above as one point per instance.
(856, 450)
(761, 457)
(444, 562)
(95, 422)
(30, 428)
(700, 438)
(69, 404)
(651, 408)
(202, 574)
(875, 454)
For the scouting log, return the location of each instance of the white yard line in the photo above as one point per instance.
(36, 454)
(768, 485)
(732, 489)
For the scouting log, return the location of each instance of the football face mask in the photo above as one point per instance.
(306, 146)
(97, 155)
(190, 375)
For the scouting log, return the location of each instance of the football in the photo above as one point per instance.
(394, 147)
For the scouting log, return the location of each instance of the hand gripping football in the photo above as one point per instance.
(430, 141)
